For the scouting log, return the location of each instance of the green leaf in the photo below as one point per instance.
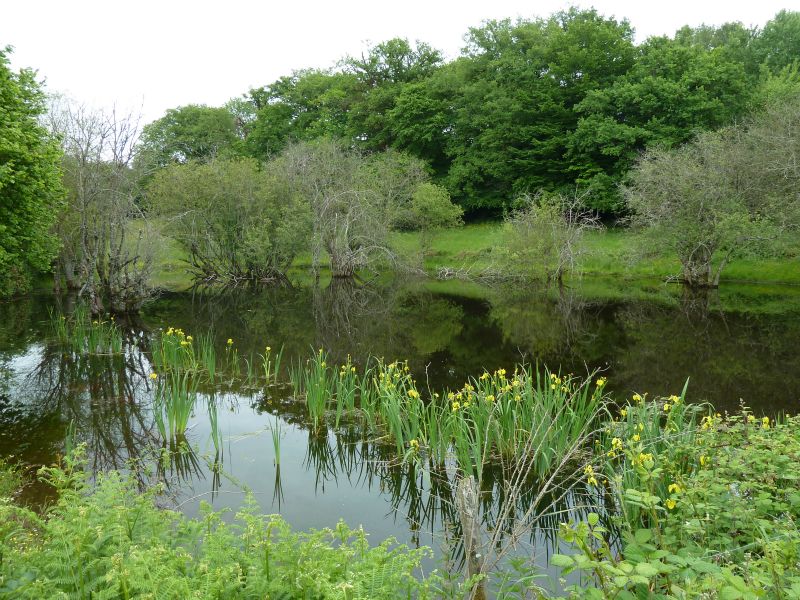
(646, 569)
(561, 560)
(729, 593)
(643, 535)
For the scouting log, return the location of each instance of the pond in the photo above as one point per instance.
(738, 345)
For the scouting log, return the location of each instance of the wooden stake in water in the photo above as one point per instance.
(468, 507)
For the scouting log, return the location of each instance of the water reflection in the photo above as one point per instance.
(738, 344)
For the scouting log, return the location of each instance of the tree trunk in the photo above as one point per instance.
(341, 266)
(697, 269)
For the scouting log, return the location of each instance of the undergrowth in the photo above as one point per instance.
(107, 540)
(706, 509)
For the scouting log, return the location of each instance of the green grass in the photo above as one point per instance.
(611, 253)
(171, 270)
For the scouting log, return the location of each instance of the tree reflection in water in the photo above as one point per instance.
(734, 344)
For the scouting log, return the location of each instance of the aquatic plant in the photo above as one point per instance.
(491, 418)
(316, 383)
(275, 432)
(271, 365)
(175, 397)
(86, 335)
(648, 445)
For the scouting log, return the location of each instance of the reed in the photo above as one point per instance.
(491, 418)
(271, 365)
(213, 420)
(206, 356)
(231, 357)
(86, 335)
(174, 351)
(175, 397)
(275, 431)
(316, 384)
(345, 389)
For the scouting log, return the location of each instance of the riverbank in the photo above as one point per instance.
(614, 253)
(474, 250)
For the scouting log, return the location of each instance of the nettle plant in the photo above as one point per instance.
(707, 506)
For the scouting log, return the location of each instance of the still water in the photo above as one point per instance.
(738, 345)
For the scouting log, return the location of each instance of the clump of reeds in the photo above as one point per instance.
(492, 417)
(175, 396)
(86, 335)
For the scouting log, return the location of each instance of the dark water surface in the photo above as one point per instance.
(741, 344)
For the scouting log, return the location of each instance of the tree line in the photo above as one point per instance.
(541, 104)
(551, 123)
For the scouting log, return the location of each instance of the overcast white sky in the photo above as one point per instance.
(162, 54)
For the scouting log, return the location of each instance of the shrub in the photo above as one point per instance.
(719, 519)
(108, 540)
(235, 220)
(543, 238)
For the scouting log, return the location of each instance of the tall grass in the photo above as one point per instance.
(275, 431)
(175, 397)
(86, 335)
(315, 382)
(491, 418)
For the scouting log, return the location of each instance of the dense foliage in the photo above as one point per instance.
(30, 187)
(188, 133)
(235, 220)
(532, 104)
(687, 504)
(107, 540)
(705, 507)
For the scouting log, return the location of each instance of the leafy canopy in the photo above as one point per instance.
(30, 186)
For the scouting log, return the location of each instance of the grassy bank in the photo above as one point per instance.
(611, 253)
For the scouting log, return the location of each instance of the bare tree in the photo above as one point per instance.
(544, 237)
(723, 194)
(354, 200)
(108, 246)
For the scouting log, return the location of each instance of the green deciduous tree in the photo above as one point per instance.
(192, 132)
(382, 73)
(30, 185)
(547, 103)
(674, 90)
(236, 220)
(521, 82)
(306, 105)
(778, 44)
(431, 210)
